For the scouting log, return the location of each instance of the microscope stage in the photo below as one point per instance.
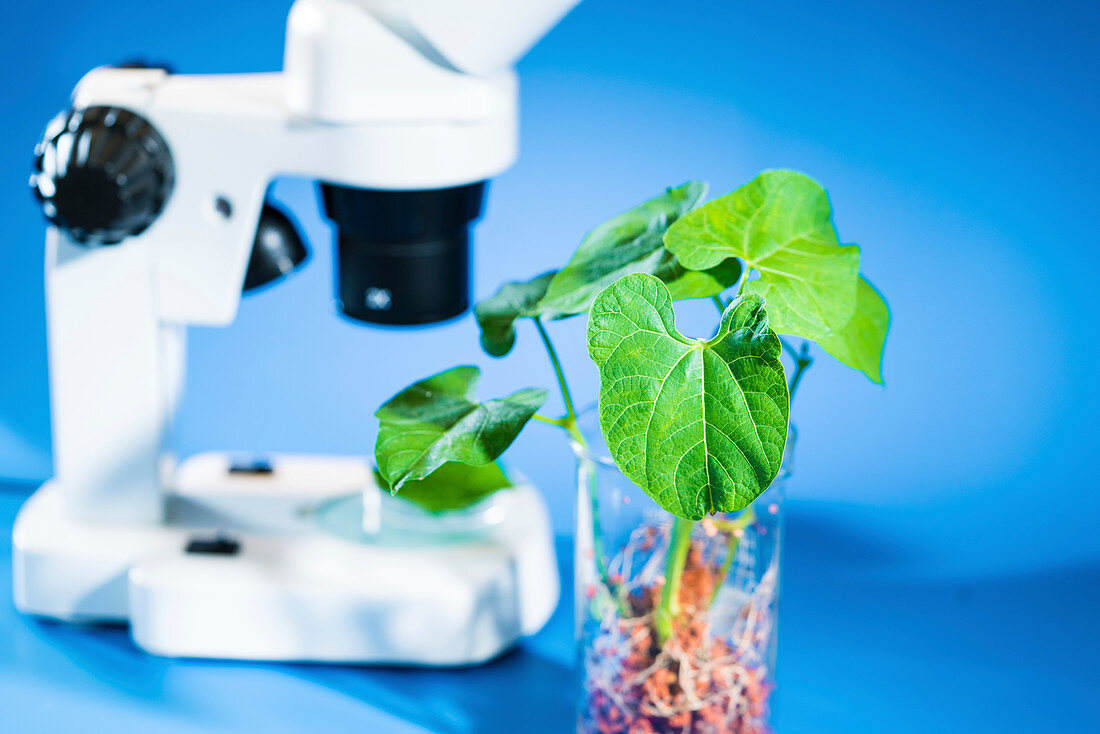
(258, 565)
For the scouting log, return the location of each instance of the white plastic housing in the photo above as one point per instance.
(344, 64)
(386, 94)
(230, 135)
(478, 36)
(364, 101)
(115, 374)
(293, 592)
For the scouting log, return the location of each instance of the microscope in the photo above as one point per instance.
(154, 185)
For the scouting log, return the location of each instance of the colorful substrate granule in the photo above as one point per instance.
(713, 674)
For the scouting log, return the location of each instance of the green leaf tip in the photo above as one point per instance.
(453, 486)
(860, 343)
(700, 426)
(497, 315)
(632, 242)
(437, 420)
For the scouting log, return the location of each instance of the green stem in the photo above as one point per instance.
(570, 411)
(745, 270)
(559, 422)
(574, 432)
(741, 522)
(569, 423)
(679, 543)
(789, 349)
(717, 298)
(803, 360)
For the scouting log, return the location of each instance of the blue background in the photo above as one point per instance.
(957, 141)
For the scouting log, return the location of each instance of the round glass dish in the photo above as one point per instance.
(400, 522)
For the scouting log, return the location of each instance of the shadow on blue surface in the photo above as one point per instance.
(520, 688)
(840, 547)
(531, 684)
(861, 650)
(522, 684)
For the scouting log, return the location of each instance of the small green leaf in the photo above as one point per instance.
(454, 486)
(780, 224)
(861, 342)
(497, 314)
(699, 425)
(437, 420)
(632, 243)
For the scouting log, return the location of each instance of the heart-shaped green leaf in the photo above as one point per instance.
(699, 425)
(454, 486)
(497, 314)
(437, 420)
(779, 224)
(860, 342)
(632, 243)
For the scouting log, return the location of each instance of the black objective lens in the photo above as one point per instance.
(403, 257)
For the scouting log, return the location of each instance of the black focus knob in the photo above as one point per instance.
(102, 174)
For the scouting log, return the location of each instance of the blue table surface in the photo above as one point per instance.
(859, 652)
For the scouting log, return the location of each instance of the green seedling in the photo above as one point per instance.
(700, 425)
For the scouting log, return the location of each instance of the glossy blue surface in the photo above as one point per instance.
(859, 652)
(958, 144)
(944, 563)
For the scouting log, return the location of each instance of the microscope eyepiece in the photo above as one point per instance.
(403, 257)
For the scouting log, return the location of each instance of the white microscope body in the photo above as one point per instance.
(413, 95)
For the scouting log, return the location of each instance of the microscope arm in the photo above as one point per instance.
(231, 135)
(365, 100)
(375, 94)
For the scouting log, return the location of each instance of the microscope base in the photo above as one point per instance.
(291, 591)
